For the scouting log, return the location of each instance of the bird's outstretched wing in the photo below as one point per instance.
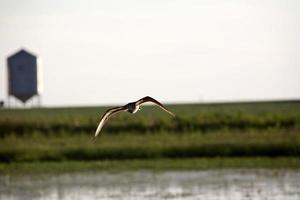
(150, 99)
(107, 115)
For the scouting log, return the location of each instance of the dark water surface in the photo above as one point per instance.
(211, 184)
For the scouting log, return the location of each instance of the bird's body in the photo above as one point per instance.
(132, 108)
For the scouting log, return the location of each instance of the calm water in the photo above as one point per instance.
(218, 184)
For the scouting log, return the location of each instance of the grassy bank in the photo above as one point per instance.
(152, 164)
(189, 118)
(201, 136)
(39, 148)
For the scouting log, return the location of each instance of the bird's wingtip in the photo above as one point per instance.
(93, 140)
(96, 134)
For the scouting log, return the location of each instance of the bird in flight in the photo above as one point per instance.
(132, 107)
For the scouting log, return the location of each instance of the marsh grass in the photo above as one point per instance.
(150, 146)
(150, 164)
(190, 118)
(208, 133)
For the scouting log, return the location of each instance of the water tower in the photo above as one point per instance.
(24, 77)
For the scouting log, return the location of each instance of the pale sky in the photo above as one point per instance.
(109, 52)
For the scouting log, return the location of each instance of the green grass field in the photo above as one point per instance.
(212, 135)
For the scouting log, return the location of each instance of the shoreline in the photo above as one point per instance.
(19, 168)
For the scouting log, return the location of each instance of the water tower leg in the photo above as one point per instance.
(23, 103)
(39, 101)
(8, 102)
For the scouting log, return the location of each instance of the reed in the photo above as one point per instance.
(244, 131)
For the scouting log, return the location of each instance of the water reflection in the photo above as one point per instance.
(218, 184)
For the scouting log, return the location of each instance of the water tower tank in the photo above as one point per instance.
(23, 75)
